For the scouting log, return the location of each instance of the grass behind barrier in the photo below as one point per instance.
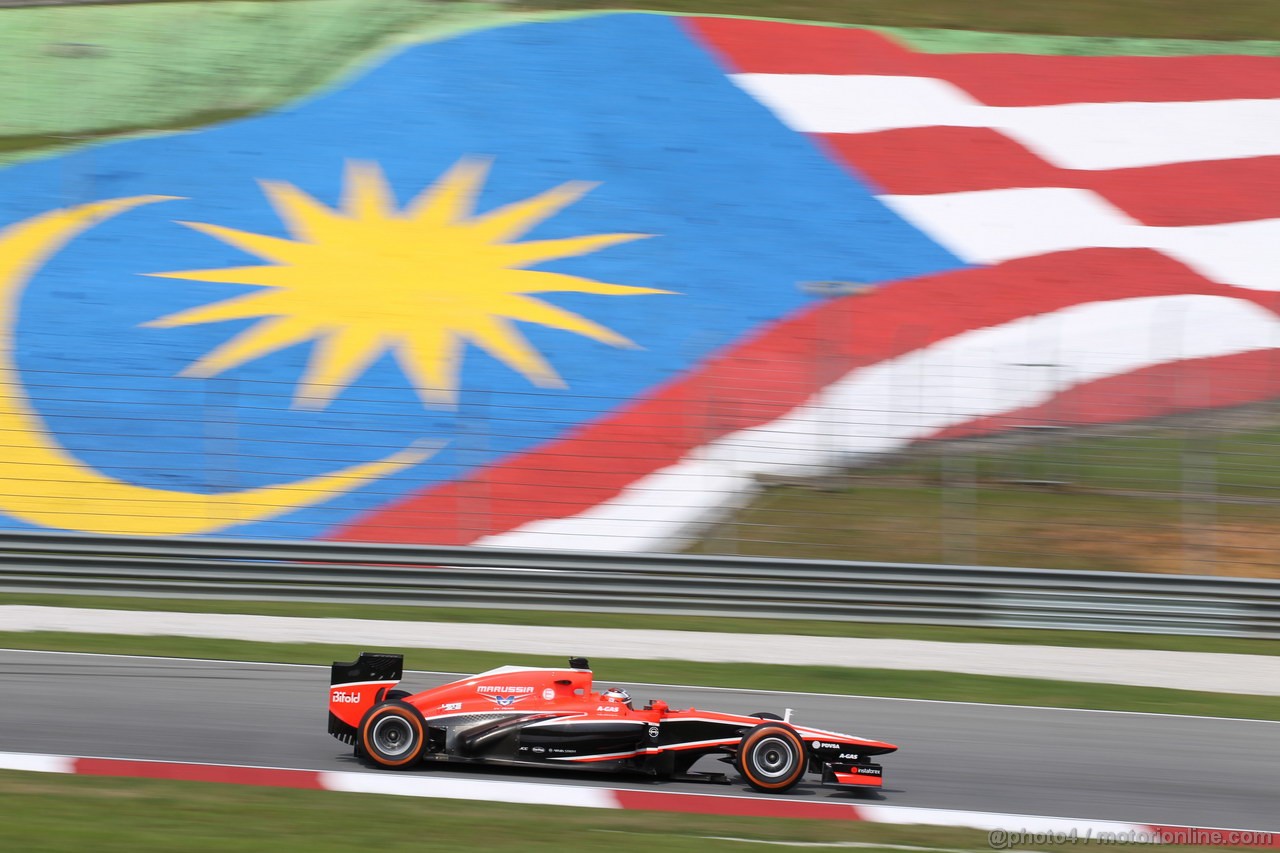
(986, 523)
(1128, 498)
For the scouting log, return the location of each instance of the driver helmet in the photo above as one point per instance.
(616, 694)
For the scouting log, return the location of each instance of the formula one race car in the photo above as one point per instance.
(525, 717)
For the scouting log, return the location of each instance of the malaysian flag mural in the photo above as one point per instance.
(580, 283)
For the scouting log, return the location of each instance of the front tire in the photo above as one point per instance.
(393, 735)
(771, 758)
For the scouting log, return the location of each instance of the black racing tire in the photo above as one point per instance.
(392, 735)
(765, 715)
(393, 695)
(771, 758)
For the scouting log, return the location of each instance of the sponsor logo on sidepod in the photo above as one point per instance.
(489, 688)
(506, 701)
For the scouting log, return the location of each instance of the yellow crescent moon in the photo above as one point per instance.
(46, 485)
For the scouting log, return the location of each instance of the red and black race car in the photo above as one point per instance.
(527, 717)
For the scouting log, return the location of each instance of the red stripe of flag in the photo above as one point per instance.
(928, 160)
(996, 79)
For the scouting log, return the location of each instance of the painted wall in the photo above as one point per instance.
(551, 283)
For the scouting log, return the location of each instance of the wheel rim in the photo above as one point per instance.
(774, 757)
(393, 735)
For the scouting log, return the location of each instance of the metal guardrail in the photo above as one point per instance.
(638, 583)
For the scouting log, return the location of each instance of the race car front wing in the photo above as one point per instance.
(856, 775)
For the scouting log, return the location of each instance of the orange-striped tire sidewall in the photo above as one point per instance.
(403, 713)
(762, 732)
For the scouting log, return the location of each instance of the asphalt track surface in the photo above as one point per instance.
(1036, 761)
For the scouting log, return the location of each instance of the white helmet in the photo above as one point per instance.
(616, 694)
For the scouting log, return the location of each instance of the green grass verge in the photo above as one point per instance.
(52, 814)
(84, 74)
(729, 625)
(74, 76)
(74, 814)
(797, 679)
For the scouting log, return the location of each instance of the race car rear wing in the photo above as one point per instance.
(357, 686)
(370, 666)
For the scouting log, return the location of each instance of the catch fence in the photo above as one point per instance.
(661, 585)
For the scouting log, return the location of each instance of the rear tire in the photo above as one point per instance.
(392, 735)
(771, 758)
(765, 715)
